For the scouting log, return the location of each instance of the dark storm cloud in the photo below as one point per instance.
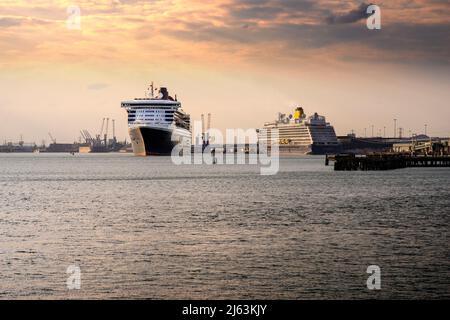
(267, 9)
(349, 17)
(421, 41)
(429, 43)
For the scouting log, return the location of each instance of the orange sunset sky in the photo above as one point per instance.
(241, 60)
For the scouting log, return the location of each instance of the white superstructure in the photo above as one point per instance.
(157, 124)
(302, 134)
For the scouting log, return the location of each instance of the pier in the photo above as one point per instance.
(387, 161)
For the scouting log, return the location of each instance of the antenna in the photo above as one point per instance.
(152, 90)
(395, 128)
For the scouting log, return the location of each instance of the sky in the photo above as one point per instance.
(243, 61)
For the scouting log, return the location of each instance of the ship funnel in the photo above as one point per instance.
(164, 93)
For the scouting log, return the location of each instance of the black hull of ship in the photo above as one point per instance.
(157, 142)
(153, 141)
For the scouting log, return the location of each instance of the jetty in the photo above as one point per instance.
(385, 161)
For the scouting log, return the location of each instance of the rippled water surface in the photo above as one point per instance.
(144, 228)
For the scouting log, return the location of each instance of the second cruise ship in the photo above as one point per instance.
(157, 124)
(298, 134)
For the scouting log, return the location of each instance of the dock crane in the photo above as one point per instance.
(106, 132)
(88, 136)
(114, 130)
(83, 136)
(51, 138)
(101, 130)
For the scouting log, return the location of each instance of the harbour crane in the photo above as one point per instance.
(83, 136)
(106, 132)
(101, 130)
(114, 130)
(88, 136)
(51, 138)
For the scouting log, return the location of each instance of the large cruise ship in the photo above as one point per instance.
(298, 134)
(157, 124)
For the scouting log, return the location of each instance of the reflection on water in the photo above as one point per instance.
(144, 228)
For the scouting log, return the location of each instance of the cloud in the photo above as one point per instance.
(428, 37)
(142, 31)
(7, 22)
(283, 25)
(267, 9)
(352, 16)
